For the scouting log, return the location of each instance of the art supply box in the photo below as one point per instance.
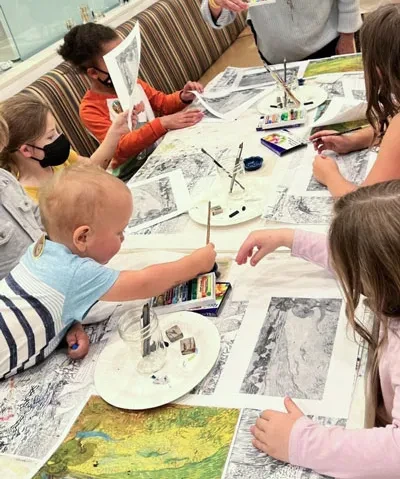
(196, 293)
(222, 291)
(282, 142)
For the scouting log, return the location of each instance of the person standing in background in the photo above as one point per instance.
(293, 29)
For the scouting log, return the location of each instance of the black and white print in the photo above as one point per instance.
(127, 62)
(47, 397)
(261, 78)
(224, 82)
(248, 462)
(152, 201)
(294, 348)
(299, 209)
(359, 95)
(353, 166)
(228, 324)
(231, 105)
(192, 161)
(335, 89)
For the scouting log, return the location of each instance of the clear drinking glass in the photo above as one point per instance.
(145, 343)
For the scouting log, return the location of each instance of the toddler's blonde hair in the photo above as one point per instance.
(76, 196)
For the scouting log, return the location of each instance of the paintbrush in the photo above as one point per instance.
(340, 133)
(236, 167)
(215, 267)
(278, 79)
(222, 168)
(285, 80)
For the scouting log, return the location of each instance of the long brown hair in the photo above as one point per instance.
(26, 117)
(380, 45)
(364, 240)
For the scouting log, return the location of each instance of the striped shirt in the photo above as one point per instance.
(41, 298)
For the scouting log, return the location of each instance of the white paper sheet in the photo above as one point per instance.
(158, 199)
(232, 105)
(123, 66)
(342, 111)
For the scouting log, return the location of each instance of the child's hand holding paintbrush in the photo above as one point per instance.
(340, 142)
(215, 267)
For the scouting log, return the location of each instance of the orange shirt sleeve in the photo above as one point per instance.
(162, 103)
(96, 118)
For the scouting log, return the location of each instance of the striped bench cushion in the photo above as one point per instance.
(177, 46)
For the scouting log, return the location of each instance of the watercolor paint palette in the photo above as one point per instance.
(282, 118)
(196, 293)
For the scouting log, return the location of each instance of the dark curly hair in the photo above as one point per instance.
(83, 44)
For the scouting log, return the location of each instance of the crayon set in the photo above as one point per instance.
(195, 293)
(282, 118)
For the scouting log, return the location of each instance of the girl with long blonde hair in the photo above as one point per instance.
(363, 250)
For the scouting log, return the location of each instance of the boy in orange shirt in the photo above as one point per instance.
(84, 46)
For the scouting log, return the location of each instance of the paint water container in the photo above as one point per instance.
(144, 340)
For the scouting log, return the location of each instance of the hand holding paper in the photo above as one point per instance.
(187, 94)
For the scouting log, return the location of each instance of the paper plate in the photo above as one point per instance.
(305, 93)
(119, 384)
(199, 213)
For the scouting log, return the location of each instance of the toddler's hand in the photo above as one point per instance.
(205, 258)
(190, 86)
(272, 430)
(264, 241)
(182, 119)
(76, 335)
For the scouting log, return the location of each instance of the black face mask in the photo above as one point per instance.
(107, 81)
(55, 153)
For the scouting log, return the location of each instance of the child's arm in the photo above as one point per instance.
(131, 144)
(385, 168)
(77, 336)
(105, 152)
(332, 451)
(156, 279)
(165, 104)
(304, 244)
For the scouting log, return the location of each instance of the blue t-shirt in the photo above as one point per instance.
(41, 298)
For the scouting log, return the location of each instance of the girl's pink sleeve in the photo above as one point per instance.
(312, 247)
(346, 454)
(355, 454)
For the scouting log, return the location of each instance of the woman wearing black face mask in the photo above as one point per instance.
(36, 149)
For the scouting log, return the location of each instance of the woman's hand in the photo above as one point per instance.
(232, 5)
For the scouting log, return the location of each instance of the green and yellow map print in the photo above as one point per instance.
(172, 442)
(339, 64)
